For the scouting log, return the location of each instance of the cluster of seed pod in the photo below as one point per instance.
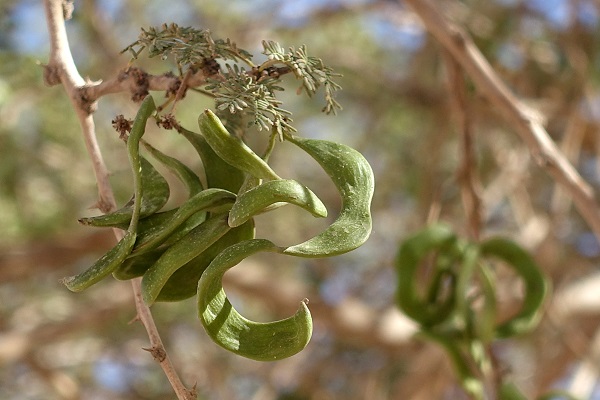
(186, 251)
(445, 310)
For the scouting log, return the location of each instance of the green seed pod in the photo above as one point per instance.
(353, 177)
(145, 192)
(486, 322)
(149, 223)
(185, 175)
(155, 193)
(509, 391)
(468, 267)
(256, 200)
(115, 257)
(536, 286)
(180, 253)
(219, 174)
(259, 341)
(204, 200)
(468, 380)
(435, 238)
(135, 266)
(183, 284)
(232, 149)
(103, 267)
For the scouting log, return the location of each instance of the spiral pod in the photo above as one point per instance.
(261, 341)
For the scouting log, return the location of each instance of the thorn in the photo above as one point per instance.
(158, 353)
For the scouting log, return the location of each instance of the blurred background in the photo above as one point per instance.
(398, 112)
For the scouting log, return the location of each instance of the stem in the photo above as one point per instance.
(61, 69)
(270, 145)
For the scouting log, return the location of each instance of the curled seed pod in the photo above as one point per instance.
(183, 284)
(232, 149)
(256, 200)
(115, 257)
(468, 380)
(155, 193)
(135, 266)
(353, 177)
(536, 286)
(219, 174)
(259, 341)
(486, 322)
(510, 391)
(185, 175)
(104, 266)
(180, 253)
(149, 223)
(146, 193)
(435, 238)
(204, 200)
(466, 271)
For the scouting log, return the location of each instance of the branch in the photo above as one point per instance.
(138, 83)
(470, 187)
(61, 69)
(531, 131)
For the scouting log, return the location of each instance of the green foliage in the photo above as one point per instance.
(311, 70)
(244, 94)
(213, 230)
(188, 46)
(241, 93)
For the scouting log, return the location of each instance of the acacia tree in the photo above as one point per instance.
(462, 58)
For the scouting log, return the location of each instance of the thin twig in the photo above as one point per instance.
(522, 118)
(157, 349)
(61, 69)
(469, 184)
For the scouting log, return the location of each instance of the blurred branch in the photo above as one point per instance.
(467, 173)
(62, 384)
(527, 124)
(571, 146)
(32, 258)
(61, 69)
(16, 345)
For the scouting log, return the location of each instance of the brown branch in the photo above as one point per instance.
(157, 349)
(469, 184)
(61, 69)
(524, 120)
(137, 82)
(469, 190)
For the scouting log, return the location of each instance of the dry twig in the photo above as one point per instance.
(61, 69)
(467, 173)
